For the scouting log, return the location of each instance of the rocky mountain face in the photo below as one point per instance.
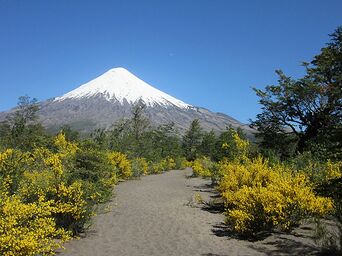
(110, 97)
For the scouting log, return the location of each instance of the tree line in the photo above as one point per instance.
(134, 135)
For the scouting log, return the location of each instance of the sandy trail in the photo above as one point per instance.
(156, 216)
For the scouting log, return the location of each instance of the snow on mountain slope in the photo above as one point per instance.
(119, 84)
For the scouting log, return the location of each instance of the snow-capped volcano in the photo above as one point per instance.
(118, 84)
(110, 97)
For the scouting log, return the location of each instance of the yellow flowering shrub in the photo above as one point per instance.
(143, 165)
(260, 197)
(318, 172)
(46, 195)
(236, 175)
(35, 184)
(42, 158)
(170, 164)
(45, 178)
(64, 147)
(28, 228)
(121, 163)
(238, 148)
(202, 167)
(65, 150)
(183, 163)
(31, 176)
(163, 165)
(42, 175)
(70, 207)
(12, 164)
(69, 200)
(140, 166)
(333, 170)
(157, 167)
(10, 161)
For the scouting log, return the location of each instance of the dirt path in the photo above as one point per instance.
(156, 216)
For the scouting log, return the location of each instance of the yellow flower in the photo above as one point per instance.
(120, 162)
(258, 196)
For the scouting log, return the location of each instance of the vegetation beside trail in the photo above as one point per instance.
(293, 171)
(260, 195)
(48, 195)
(50, 185)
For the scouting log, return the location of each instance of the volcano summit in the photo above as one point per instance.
(110, 97)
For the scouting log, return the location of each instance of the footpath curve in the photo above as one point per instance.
(157, 215)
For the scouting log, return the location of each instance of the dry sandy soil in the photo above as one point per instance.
(159, 215)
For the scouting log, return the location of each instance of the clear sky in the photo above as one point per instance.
(208, 53)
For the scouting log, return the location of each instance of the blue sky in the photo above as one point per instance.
(208, 53)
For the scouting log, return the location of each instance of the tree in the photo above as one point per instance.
(69, 133)
(192, 140)
(100, 138)
(227, 138)
(304, 111)
(21, 127)
(118, 136)
(208, 145)
(128, 135)
(139, 123)
(164, 141)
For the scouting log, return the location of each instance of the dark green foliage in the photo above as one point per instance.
(333, 189)
(163, 142)
(119, 138)
(5, 135)
(328, 144)
(225, 137)
(69, 133)
(100, 138)
(128, 135)
(208, 145)
(138, 123)
(91, 166)
(192, 140)
(301, 112)
(137, 138)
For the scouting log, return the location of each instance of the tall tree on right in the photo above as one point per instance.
(306, 112)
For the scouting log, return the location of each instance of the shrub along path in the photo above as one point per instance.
(158, 215)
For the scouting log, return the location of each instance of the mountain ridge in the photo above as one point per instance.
(110, 97)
